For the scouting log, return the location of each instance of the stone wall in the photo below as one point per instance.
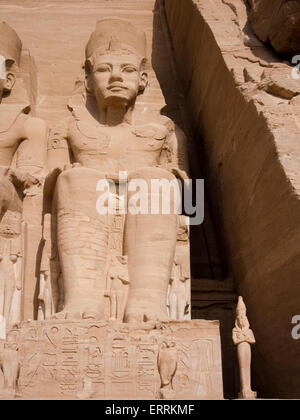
(235, 88)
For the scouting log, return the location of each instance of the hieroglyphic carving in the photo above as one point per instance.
(70, 362)
(146, 367)
(84, 359)
(167, 366)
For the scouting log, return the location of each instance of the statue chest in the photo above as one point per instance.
(129, 146)
(9, 142)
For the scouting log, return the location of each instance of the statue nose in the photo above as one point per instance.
(116, 75)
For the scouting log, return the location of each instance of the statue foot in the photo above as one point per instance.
(139, 316)
(69, 314)
(8, 394)
(167, 393)
(247, 395)
(91, 315)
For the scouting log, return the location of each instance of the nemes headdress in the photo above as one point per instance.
(10, 43)
(116, 35)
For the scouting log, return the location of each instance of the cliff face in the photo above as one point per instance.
(244, 106)
(277, 21)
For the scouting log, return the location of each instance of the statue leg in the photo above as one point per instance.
(113, 306)
(244, 356)
(181, 304)
(82, 243)
(173, 306)
(150, 241)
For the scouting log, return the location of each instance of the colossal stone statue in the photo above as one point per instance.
(243, 337)
(105, 141)
(22, 159)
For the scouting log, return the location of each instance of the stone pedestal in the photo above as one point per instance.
(101, 360)
(250, 395)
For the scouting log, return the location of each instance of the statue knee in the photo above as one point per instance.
(150, 173)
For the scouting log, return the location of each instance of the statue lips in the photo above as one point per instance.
(116, 87)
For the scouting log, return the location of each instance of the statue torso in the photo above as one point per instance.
(10, 139)
(113, 149)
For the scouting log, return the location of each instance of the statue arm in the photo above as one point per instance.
(32, 153)
(175, 153)
(58, 149)
(29, 171)
(58, 153)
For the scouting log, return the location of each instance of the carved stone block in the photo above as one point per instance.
(101, 360)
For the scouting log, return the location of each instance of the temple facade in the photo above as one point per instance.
(111, 112)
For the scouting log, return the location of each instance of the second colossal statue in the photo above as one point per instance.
(22, 163)
(105, 139)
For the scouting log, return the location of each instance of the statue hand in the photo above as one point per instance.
(179, 173)
(24, 181)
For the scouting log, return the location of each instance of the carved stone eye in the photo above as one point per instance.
(103, 69)
(129, 69)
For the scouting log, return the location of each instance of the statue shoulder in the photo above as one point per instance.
(58, 134)
(176, 147)
(33, 125)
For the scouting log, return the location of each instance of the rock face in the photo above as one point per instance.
(277, 21)
(252, 151)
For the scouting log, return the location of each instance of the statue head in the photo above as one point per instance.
(115, 63)
(241, 314)
(10, 53)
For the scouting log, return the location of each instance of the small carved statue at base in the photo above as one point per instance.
(10, 366)
(177, 294)
(167, 366)
(117, 279)
(243, 337)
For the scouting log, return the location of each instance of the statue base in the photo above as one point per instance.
(249, 395)
(62, 359)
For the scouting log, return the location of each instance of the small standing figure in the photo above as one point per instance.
(10, 366)
(50, 298)
(167, 366)
(243, 337)
(117, 279)
(178, 297)
(46, 309)
(178, 293)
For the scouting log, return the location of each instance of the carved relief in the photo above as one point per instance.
(167, 366)
(10, 366)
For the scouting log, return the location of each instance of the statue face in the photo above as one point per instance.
(116, 79)
(7, 80)
(242, 321)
